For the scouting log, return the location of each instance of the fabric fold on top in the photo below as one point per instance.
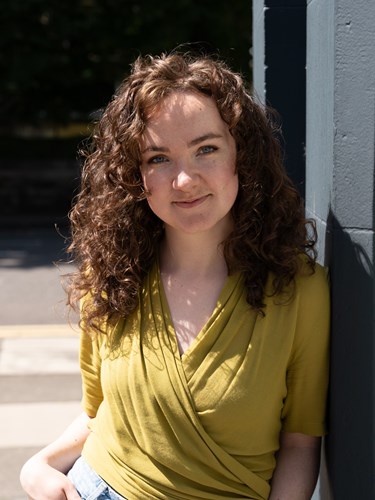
(205, 425)
(181, 369)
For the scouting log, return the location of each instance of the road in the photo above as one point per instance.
(40, 385)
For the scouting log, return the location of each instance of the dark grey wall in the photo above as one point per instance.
(280, 36)
(340, 131)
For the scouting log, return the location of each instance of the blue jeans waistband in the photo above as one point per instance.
(89, 484)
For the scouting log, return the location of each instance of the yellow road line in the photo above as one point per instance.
(9, 331)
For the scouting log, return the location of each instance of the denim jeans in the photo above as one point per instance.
(89, 485)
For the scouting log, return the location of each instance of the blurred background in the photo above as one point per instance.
(60, 64)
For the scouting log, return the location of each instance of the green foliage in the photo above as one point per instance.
(60, 60)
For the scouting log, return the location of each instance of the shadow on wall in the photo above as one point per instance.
(350, 442)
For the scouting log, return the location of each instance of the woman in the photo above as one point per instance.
(204, 314)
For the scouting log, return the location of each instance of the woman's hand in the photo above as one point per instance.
(43, 475)
(42, 482)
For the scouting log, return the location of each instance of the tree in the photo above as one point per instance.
(60, 61)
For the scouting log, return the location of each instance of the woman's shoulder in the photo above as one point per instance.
(310, 274)
(312, 282)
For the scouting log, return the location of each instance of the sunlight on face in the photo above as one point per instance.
(189, 165)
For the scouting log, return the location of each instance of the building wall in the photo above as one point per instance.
(320, 65)
(340, 195)
(281, 72)
(339, 173)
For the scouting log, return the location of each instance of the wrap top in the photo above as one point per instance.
(205, 425)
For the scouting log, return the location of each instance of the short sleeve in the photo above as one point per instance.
(308, 369)
(90, 365)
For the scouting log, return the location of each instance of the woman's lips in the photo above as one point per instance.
(191, 203)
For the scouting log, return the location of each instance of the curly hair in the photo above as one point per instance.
(115, 235)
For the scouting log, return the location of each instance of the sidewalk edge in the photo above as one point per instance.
(17, 331)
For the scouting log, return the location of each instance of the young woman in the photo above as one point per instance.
(204, 345)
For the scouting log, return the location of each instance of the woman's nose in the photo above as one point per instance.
(185, 177)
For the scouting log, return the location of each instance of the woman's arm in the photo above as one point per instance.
(43, 475)
(297, 467)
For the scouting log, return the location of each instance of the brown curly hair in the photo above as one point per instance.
(115, 235)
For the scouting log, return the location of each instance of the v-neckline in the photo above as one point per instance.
(229, 284)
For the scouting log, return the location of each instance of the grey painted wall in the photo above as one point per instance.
(340, 195)
(320, 63)
(258, 51)
(340, 131)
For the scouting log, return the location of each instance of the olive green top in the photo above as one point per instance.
(205, 425)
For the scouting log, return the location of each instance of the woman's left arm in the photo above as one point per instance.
(297, 467)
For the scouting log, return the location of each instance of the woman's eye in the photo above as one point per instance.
(207, 149)
(157, 159)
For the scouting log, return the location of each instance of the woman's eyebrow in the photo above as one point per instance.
(154, 148)
(194, 142)
(203, 138)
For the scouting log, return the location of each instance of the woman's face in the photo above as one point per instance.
(189, 165)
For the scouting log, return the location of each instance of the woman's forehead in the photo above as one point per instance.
(179, 103)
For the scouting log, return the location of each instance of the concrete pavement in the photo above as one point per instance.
(40, 386)
(40, 391)
(32, 265)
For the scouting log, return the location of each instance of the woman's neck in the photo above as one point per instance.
(192, 255)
